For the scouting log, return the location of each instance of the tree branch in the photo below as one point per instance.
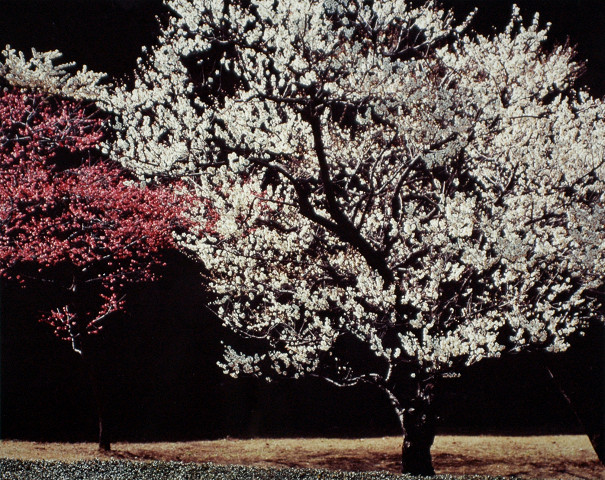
(346, 231)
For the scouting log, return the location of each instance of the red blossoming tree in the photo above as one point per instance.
(75, 221)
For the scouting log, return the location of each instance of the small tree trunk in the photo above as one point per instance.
(82, 344)
(104, 437)
(579, 375)
(104, 442)
(588, 408)
(99, 397)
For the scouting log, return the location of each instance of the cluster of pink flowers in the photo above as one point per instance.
(72, 218)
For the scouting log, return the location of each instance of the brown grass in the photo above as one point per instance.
(546, 457)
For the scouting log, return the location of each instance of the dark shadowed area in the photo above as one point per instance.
(107, 35)
(161, 381)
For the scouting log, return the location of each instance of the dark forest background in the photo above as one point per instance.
(159, 360)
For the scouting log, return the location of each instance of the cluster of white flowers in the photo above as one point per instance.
(373, 176)
(40, 72)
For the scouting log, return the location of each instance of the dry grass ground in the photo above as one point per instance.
(543, 457)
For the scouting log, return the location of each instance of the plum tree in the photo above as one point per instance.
(74, 221)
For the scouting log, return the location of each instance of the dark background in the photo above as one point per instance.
(107, 35)
(159, 361)
(161, 382)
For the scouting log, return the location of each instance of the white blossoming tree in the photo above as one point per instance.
(391, 197)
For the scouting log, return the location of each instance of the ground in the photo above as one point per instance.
(540, 457)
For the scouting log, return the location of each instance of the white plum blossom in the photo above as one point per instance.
(40, 71)
(386, 197)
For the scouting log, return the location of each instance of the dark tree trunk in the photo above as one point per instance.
(416, 453)
(588, 411)
(418, 422)
(579, 375)
(83, 345)
(104, 442)
(90, 359)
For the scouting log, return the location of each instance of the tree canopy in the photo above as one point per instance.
(72, 220)
(372, 170)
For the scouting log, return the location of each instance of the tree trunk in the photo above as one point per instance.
(99, 397)
(82, 344)
(585, 391)
(418, 423)
(104, 442)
